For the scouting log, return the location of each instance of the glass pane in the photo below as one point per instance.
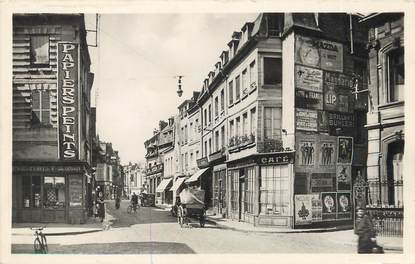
(26, 191)
(272, 70)
(39, 49)
(54, 192)
(36, 183)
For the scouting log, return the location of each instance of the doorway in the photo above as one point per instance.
(241, 199)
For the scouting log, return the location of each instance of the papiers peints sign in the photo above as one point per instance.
(68, 100)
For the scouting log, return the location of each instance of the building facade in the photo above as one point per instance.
(133, 179)
(51, 119)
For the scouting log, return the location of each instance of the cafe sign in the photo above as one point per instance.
(68, 100)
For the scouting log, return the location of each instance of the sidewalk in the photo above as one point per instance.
(394, 244)
(60, 229)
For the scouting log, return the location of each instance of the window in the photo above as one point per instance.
(191, 131)
(182, 136)
(253, 122)
(250, 190)
(274, 190)
(231, 129)
(272, 123)
(237, 88)
(186, 161)
(205, 148)
(245, 124)
(222, 100)
(252, 74)
(244, 82)
(222, 135)
(238, 126)
(272, 71)
(216, 106)
(396, 75)
(210, 114)
(216, 140)
(205, 116)
(197, 154)
(54, 192)
(234, 180)
(210, 146)
(31, 186)
(39, 50)
(230, 92)
(191, 159)
(182, 162)
(40, 107)
(185, 134)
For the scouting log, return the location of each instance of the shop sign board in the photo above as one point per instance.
(303, 209)
(316, 207)
(276, 158)
(322, 182)
(340, 120)
(329, 201)
(343, 177)
(345, 150)
(336, 99)
(309, 79)
(344, 208)
(48, 168)
(306, 119)
(319, 53)
(308, 99)
(68, 100)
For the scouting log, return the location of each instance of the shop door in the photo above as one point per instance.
(242, 199)
(220, 196)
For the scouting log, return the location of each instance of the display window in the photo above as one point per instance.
(54, 192)
(31, 190)
(274, 190)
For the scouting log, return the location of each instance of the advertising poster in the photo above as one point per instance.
(327, 153)
(344, 208)
(303, 209)
(322, 182)
(344, 121)
(344, 178)
(316, 208)
(319, 53)
(308, 99)
(336, 99)
(323, 122)
(306, 151)
(345, 150)
(306, 119)
(75, 191)
(67, 100)
(329, 200)
(309, 79)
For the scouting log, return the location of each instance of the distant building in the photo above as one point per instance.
(133, 178)
(52, 140)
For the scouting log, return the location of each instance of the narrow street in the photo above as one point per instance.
(155, 231)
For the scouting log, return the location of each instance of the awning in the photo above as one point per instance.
(196, 176)
(177, 184)
(163, 185)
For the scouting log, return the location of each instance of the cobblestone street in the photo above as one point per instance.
(155, 231)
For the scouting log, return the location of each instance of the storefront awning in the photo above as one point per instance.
(163, 185)
(196, 176)
(177, 184)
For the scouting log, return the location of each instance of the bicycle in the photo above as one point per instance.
(40, 244)
(132, 208)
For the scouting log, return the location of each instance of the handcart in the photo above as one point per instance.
(192, 205)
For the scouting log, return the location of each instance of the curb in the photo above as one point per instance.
(288, 231)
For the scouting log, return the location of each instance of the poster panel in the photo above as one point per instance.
(306, 151)
(322, 119)
(331, 55)
(344, 208)
(306, 119)
(336, 99)
(303, 209)
(68, 100)
(345, 150)
(329, 201)
(327, 153)
(322, 182)
(309, 79)
(308, 99)
(75, 191)
(343, 177)
(316, 207)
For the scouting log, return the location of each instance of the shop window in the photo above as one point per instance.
(272, 71)
(252, 75)
(54, 192)
(40, 107)
(230, 92)
(250, 189)
(234, 190)
(396, 68)
(237, 88)
(274, 190)
(31, 187)
(272, 123)
(39, 50)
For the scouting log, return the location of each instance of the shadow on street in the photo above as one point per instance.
(152, 247)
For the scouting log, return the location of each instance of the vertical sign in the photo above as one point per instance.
(68, 99)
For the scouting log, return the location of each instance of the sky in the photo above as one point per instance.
(135, 62)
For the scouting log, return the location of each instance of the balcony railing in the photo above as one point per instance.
(270, 145)
(217, 155)
(154, 169)
(237, 143)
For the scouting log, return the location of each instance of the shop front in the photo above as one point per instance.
(164, 196)
(50, 193)
(260, 189)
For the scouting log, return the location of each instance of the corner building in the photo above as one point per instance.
(51, 119)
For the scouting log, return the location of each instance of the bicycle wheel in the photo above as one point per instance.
(129, 209)
(37, 245)
(45, 244)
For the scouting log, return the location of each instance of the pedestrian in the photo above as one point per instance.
(367, 234)
(101, 206)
